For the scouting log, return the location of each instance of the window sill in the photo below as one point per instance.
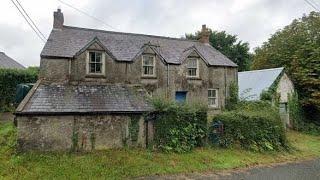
(193, 78)
(214, 108)
(95, 76)
(148, 77)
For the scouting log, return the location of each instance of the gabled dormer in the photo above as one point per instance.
(95, 54)
(193, 63)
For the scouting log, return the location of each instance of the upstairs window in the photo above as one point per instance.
(148, 65)
(95, 63)
(192, 67)
(213, 97)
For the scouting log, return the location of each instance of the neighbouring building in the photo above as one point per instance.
(253, 83)
(93, 86)
(7, 62)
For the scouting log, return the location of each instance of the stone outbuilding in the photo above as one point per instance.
(253, 83)
(86, 117)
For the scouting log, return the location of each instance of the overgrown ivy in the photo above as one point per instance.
(297, 118)
(179, 127)
(134, 128)
(232, 99)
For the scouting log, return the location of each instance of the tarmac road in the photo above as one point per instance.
(305, 170)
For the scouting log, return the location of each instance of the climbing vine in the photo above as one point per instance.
(134, 128)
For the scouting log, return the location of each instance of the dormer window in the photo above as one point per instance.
(192, 67)
(95, 63)
(148, 65)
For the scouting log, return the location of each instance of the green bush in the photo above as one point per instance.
(254, 126)
(297, 118)
(9, 79)
(232, 99)
(179, 127)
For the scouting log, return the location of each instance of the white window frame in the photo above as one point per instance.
(216, 98)
(103, 57)
(197, 68)
(154, 66)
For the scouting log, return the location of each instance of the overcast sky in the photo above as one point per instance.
(252, 20)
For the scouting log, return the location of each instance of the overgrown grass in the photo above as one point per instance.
(124, 163)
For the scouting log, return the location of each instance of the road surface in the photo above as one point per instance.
(305, 170)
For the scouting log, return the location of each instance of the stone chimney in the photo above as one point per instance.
(58, 19)
(204, 35)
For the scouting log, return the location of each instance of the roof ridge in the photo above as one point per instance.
(126, 33)
(261, 70)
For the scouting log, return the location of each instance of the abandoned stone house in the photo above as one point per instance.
(93, 86)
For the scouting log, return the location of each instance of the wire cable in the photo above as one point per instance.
(87, 14)
(44, 37)
(314, 6)
(314, 2)
(25, 18)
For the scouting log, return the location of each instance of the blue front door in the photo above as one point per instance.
(181, 96)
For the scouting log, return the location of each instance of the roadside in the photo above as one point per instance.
(305, 170)
(130, 163)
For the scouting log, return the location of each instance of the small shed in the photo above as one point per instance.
(86, 117)
(253, 83)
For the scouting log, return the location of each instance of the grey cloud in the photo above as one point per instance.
(254, 22)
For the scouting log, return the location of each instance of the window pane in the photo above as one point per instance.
(92, 68)
(98, 57)
(98, 67)
(92, 56)
(192, 63)
(212, 101)
(192, 72)
(148, 65)
(214, 93)
(148, 70)
(148, 60)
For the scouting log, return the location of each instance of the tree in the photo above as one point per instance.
(227, 44)
(297, 48)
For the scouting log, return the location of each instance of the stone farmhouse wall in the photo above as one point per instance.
(86, 132)
(168, 79)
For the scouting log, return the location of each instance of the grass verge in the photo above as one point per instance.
(124, 163)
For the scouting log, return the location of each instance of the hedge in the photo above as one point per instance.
(179, 127)
(9, 79)
(255, 126)
(297, 117)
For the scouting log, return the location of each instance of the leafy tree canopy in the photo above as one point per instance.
(228, 44)
(297, 48)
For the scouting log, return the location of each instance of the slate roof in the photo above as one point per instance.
(8, 63)
(85, 99)
(252, 83)
(66, 42)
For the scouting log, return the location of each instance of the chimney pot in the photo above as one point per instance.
(58, 19)
(204, 35)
